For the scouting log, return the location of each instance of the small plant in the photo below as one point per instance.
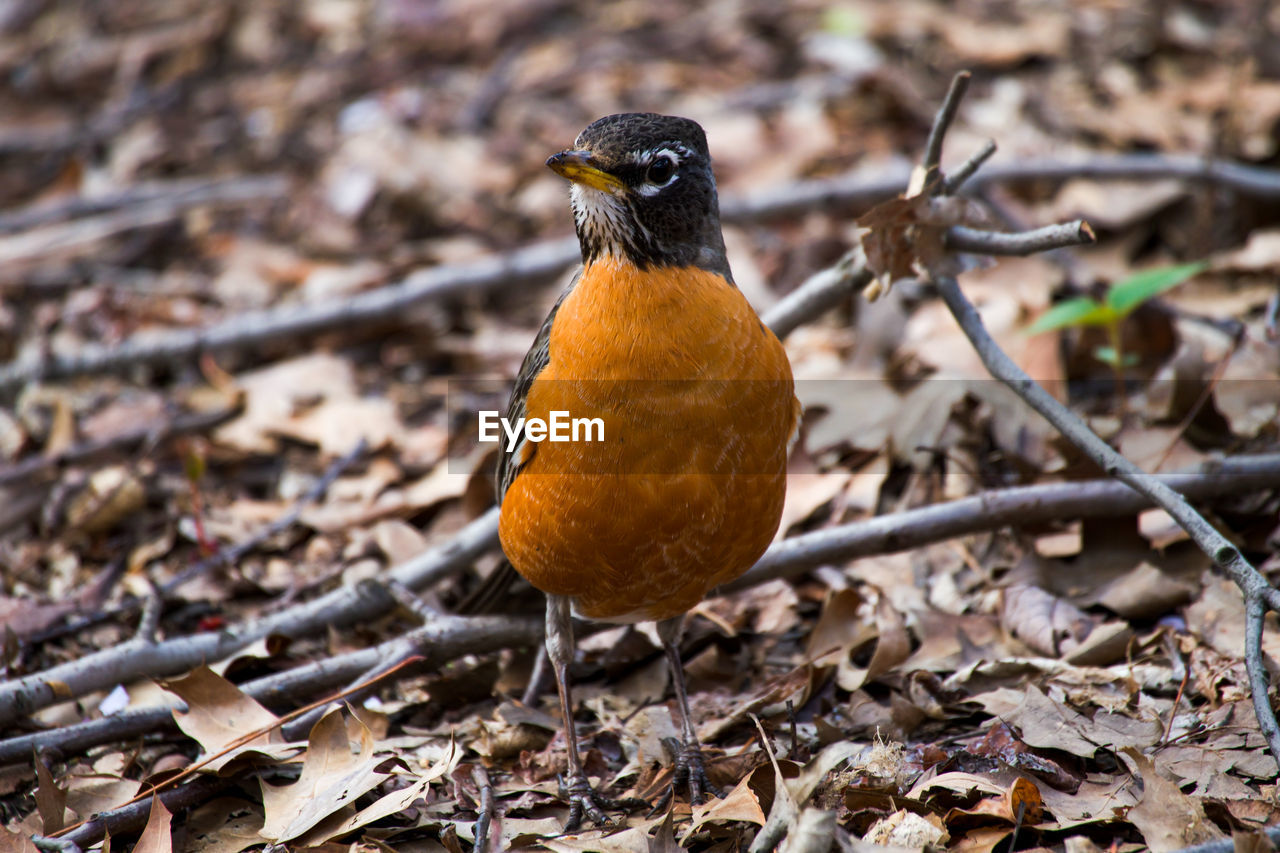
(1122, 299)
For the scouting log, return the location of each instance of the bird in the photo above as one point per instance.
(683, 490)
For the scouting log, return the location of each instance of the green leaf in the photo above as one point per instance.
(1126, 295)
(843, 21)
(1107, 355)
(1080, 311)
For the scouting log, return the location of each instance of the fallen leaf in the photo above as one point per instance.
(51, 800)
(333, 777)
(740, 804)
(157, 837)
(219, 714)
(399, 800)
(1167, 818)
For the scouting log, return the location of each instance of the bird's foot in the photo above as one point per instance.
(584, 802)
(691, 773)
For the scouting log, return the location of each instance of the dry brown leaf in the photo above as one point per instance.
(157, 837)
(1113, 205)
(849, 411)
(225, 825)
(110, 496)
(312, 398)
(219, 713)
(398, 800)
(51, 801)
(1046, 724)
(1005, 43)
(1167, 818)
(839, 629)
(1143, 592)
(398, 540)
(333, 777)
(1019, 804)
(90, 793)
(893, 646)
(1260, 253)
(740, 804)
(1045, 622)
(906, 830)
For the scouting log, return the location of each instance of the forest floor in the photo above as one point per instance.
(262, 263)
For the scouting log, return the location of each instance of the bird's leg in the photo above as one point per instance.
(689, 768)
(560, 652)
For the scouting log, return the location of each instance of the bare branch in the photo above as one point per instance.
(175, 196)
(1220, 550)
(232, 554)
(133, 817)
(343, 606)
(932, 157)
(384, 304)
(954, 181)
(29, 470)
(821, 292)
(991, 510)
(543, 260)
(1022, 243)
(444, 639)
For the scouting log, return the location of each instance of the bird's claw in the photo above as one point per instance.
(583, 802)
(690, 771)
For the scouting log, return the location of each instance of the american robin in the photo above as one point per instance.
(683, 491)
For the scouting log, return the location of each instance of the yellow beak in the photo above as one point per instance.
(580, 167)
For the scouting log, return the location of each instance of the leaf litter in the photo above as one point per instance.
(1061, 684)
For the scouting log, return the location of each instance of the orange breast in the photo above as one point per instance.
(685, 490)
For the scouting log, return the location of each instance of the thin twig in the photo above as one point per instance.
(1257, 592)
(345, 605)
(992, 510)
(484, 816)
(932, 156)
(1022, 243)
(232, 554)
(36, 467)
(962, 173)
(223, 557)
(177, 196)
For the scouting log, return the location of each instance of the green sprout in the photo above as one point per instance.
(1122, 299)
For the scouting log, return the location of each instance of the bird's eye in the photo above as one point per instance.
(661, 171)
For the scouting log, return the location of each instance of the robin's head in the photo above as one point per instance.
(643, 189)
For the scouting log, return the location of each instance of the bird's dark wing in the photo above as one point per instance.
(493, 589)
(536, 360)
